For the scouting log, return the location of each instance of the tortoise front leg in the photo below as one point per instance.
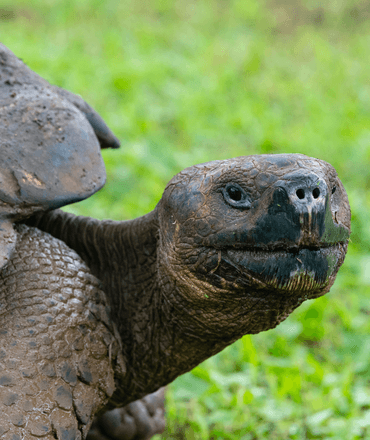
(58, 349)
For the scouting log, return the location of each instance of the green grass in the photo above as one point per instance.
(182, 82)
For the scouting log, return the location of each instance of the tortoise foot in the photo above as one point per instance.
(139, 420)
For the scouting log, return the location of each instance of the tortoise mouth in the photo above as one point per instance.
(282, 247)
(307, 270)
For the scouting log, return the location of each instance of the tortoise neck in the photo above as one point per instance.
(163, 335)
(158, 346)
(127, 267)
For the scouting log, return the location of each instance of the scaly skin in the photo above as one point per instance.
(59, 349)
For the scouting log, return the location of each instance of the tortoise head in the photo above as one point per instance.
(251, 238)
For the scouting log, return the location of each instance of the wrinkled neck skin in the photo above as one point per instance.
(164, 332)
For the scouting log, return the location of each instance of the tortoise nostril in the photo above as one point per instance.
(316, 193)
(300, 193)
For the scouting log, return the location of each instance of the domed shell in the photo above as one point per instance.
(49, 153)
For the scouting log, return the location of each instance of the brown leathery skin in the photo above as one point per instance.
(130, 270)
(59, 349)
(189, 278)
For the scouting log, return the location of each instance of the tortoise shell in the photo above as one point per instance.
(50, 143)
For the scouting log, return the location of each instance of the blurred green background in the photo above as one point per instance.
(182, 82)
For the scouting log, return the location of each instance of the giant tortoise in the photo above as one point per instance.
(95, 315)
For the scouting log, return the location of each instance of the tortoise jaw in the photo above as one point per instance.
(307, 271)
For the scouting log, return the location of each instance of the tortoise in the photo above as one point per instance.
(95, 315)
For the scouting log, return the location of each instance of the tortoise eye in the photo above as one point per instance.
(234, 193)
(333, 189)
(235, 196)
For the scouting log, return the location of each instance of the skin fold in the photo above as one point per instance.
(96, 317)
